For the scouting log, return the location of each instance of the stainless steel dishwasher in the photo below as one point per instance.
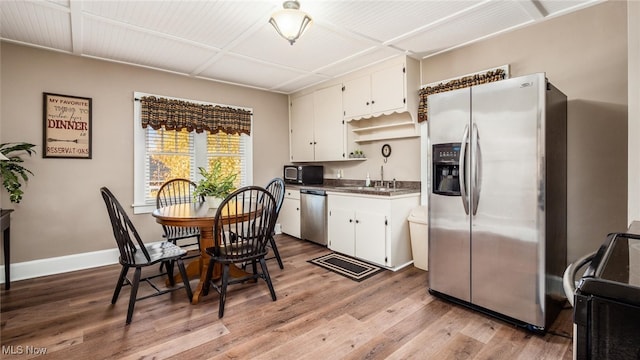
(313, 215)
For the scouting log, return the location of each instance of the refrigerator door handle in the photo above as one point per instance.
(477, 173)
(462, 162)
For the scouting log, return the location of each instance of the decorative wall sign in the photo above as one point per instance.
(67, 126)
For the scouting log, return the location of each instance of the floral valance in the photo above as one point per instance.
(173, 114)
(463, 82)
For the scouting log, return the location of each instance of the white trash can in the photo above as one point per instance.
(419, 232)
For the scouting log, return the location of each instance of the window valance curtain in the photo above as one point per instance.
(171, 114)
(463, 82)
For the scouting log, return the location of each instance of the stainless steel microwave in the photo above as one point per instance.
(303, 174)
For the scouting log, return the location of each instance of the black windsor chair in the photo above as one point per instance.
(135, 254)
(276, 188)
(179, 191)
(242, 237)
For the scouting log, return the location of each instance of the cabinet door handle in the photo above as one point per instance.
(350, 220)
(357, 221)
(367, 103)
(373, 102)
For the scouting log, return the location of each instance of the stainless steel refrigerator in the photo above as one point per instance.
(497, 198)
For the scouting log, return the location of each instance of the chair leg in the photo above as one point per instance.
(134, 294)
(169, 266)
(207, 279)
(185, 278)
(267, 278)
(223, 290)
(276, 253)
(121, 280)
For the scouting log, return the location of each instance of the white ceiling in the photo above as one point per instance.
(232, 41)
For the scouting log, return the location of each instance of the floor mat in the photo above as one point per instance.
(347, 266)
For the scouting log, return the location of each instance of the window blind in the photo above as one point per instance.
(170, 155)
(231, 150)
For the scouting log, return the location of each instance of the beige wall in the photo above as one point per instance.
(62, 212)
(585, 55)
(634, 111)
(402, 165)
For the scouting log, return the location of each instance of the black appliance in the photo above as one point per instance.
(303, 174)
(607, 302)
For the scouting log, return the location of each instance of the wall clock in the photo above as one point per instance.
(386, 151)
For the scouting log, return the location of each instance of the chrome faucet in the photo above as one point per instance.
(382, 174)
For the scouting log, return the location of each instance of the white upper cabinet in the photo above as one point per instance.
(301, 128)
(376, 103)
(328, 125)
(388, 89)
(377, 93)
(357, 97)
(317, 127)
(382, 91)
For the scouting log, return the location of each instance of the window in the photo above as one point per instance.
(169, 155)
(160, 155)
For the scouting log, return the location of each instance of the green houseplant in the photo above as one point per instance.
(215, 183)
(11, 169)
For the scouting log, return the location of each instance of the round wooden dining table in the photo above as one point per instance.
(200, 215)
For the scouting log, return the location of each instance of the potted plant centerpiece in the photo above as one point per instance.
(12, 171)
(215, 185)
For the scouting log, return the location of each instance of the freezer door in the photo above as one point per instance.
(507, 262)
(449, 226)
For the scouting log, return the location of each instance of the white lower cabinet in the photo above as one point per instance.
(371, 228)
(359, 234)
(289, 216)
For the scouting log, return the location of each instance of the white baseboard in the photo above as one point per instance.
(62, 264)
(401, 266)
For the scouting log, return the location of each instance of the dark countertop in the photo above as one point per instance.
(356, 187)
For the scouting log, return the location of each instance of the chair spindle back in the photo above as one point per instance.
(123, 230)
(253, 210)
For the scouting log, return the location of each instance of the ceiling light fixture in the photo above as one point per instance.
(290, 22)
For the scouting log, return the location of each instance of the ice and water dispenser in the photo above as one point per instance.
(446, 170)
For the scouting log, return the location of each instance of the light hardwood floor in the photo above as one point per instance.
(318, 315)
